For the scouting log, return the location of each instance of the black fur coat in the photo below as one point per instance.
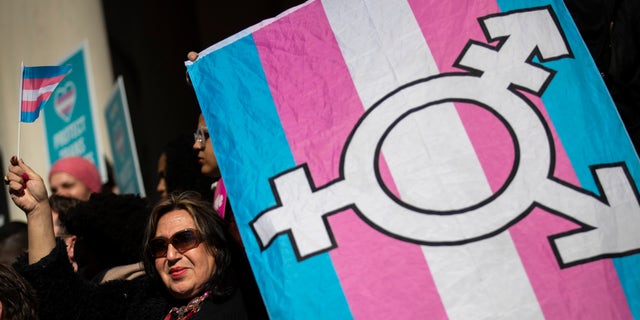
(63, 294)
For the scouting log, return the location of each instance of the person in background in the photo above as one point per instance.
(186, 257)
(74, 177)
(108, 224)
(209, 168)
(13, 241)
(178, 170)
(108, 230)
(60, 206)
(206, 156)
(17, 298)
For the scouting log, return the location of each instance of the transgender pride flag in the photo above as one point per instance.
(419, 159)
(37, 85)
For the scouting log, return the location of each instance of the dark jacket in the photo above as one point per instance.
(63, 294)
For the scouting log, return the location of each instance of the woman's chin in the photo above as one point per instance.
(182, 294)
(182, 291)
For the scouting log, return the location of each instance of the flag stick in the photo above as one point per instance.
(20, 106)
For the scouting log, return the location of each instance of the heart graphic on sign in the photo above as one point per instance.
(64, 100)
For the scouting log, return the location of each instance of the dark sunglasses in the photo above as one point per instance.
(182, 241)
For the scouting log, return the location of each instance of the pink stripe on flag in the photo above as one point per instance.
(30, 106)
(37, 83)
(318, 107)
(449, 25)
(590, 291)
(314, 71)
(379, 273)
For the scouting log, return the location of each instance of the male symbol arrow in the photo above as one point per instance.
(610, 222)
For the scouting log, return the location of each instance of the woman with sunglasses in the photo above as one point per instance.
(186, 258)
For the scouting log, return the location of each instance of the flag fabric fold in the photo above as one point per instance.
(37, 85)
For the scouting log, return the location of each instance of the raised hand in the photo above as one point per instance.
(26, 187)
(192, 56)
(29, 193)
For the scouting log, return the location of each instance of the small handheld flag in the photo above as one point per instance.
(37, 85)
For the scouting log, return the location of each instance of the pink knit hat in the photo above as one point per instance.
(81, 168)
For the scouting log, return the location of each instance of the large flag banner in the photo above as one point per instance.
(71, 127)
(419, 159)
(37, 85)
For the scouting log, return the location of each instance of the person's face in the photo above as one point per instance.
(64, 184)
(184, 274)
(206, 156)
(162, 171)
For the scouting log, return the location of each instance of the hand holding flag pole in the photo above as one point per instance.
(36, 86)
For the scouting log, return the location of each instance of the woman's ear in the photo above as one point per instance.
(71, 243)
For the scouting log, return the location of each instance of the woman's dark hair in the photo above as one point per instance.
(214, 234)
(16, 295)
(109, 229)
(62, 205)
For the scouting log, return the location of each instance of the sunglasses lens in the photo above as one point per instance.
(185, 240)
(181, 241)
(158, 247)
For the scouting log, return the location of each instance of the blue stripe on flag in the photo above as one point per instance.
(586, 146)
(31, 116)
(235, 97)
(45, 71)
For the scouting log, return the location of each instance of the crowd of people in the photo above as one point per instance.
(103, 255)
(85, 253)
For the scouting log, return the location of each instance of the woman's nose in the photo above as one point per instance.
(173, 253)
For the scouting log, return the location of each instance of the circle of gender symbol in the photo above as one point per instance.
(489, 216)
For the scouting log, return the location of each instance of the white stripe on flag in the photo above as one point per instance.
(482, 278)
(32, 95)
